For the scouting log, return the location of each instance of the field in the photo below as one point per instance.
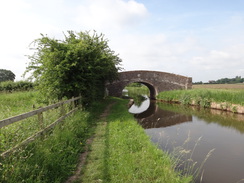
(12, 104)
(220, 86)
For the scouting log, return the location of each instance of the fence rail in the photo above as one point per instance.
(20, 117)
(38, 112)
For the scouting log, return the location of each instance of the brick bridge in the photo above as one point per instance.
(154, 80)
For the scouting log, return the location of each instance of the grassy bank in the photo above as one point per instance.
(52, 158)
(122, 152)
(204, 97)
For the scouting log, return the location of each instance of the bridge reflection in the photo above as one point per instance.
(155, 117)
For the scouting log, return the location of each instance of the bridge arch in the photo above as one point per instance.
(156, 82)
(152, 89)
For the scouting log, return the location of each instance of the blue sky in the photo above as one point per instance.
(202, 39)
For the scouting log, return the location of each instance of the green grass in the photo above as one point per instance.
(13, 104)
(204, 97)
(142, 89)
(122, 152)
(52, 158)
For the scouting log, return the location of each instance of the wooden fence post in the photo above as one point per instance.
(80, 102)
(62, 110)
(40, 120)
(73, 104)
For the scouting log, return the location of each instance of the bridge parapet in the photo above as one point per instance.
(156, 82)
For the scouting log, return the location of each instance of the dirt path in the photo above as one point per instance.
(83, 156)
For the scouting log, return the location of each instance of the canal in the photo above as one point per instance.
(207, 143)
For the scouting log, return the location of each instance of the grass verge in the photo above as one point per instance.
(122, 152)
(52, 158)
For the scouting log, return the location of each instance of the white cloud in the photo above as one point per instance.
(155, 52)
(19, 27)
(110, 14)
(201, 50)
(216, 64)
(22, 21)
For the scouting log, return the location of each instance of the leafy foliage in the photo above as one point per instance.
(6, 75)
(78, 65)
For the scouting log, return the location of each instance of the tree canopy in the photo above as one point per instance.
(6, 75)
(78, 65)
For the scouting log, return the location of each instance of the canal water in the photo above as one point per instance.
(207, 143)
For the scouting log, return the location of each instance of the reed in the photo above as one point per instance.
(203, 97)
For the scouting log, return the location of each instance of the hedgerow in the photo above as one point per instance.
(10, 86)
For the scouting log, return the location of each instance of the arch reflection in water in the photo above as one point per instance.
(141, 105)
(155, 117)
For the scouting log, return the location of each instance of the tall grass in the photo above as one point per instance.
(17, 103)
(51, 158)
(122, 152)
(204, 97)
(12, 104)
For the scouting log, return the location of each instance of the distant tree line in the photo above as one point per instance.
(7, 83)
(237, 79)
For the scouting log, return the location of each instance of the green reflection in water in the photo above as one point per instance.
(223, 118)
(138, 94)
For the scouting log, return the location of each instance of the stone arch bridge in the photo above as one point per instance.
(154, 80)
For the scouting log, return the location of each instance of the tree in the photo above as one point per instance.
(78, 65)
(6, 75)
(237, 79)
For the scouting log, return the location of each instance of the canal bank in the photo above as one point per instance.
(122, 152)
(211, 140)
(225, 100)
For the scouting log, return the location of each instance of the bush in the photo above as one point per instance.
(80, 64)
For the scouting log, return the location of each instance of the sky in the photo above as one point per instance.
(202, 39)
